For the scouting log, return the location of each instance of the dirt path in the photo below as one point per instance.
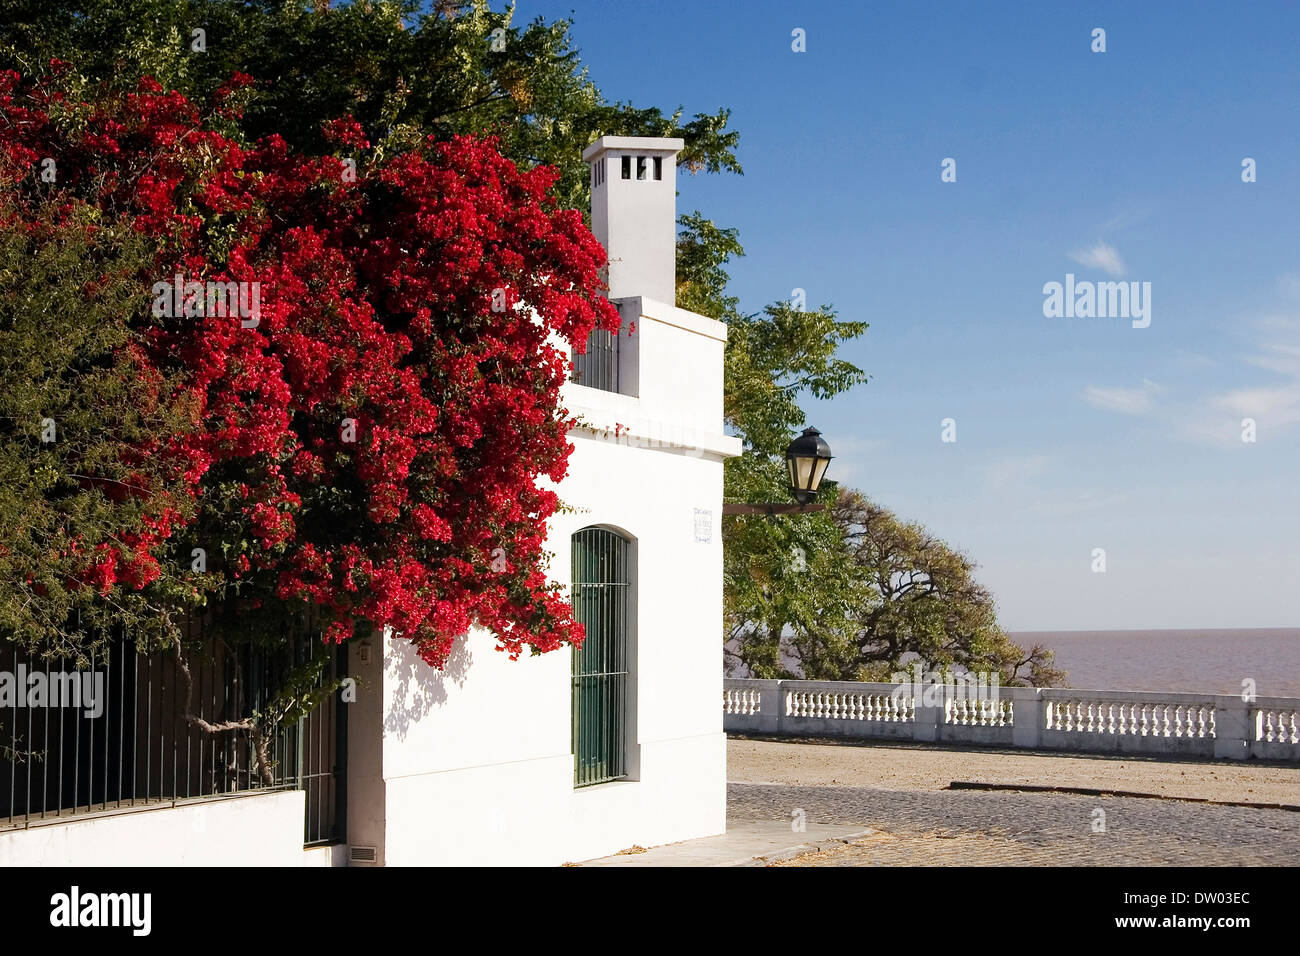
(912, 767)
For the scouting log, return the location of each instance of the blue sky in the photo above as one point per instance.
(1072, 433)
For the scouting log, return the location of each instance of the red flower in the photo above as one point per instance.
(385, 422)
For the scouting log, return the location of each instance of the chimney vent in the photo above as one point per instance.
(634, 213)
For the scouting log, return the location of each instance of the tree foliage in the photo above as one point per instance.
(459, 68)
(84, 470)
(255, 88)
(779, 572)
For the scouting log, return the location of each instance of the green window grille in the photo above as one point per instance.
(601, 594)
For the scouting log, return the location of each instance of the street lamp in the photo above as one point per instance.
(807, 458)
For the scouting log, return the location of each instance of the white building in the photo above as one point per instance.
(567, 755)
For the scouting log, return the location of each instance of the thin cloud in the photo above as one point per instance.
(854, 456)
(1125, 219)
(1102, 256)
(1066, 505)
(1279, 357)
(1276, 404)
(1126, 401)
(1280, 406)
(1218, 417)
(1009, 472)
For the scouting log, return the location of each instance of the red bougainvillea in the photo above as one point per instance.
(370, 440)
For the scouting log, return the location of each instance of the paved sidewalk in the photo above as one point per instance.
(746, 843)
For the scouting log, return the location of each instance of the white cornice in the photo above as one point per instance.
(610, 417)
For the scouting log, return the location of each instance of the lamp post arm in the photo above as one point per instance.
(771, 509)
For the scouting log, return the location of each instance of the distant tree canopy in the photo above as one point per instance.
(862, 602)
(914, 594)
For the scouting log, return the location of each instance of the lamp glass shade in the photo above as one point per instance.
(806, 459)
(802, 472)
(819, 469)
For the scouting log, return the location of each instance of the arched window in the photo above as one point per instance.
(601, 602)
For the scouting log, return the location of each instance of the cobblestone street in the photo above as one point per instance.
(973, 828)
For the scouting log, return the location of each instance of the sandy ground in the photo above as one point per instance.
(913, 767)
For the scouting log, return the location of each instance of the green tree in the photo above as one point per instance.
(77, 422)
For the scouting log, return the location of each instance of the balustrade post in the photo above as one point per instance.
(1233, 728)
(927, 724)
(1027, 716)
(771, 707)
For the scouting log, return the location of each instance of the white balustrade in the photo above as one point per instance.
(741, 701)
(1044, 718)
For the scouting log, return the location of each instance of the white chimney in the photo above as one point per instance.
(634, 213)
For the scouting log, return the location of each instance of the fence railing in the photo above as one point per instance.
(1206, 725)
(115, 736)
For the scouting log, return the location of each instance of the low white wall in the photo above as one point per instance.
(262, 829)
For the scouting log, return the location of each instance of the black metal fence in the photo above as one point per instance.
(115, 735)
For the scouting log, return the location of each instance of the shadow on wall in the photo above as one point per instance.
(417, 687)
